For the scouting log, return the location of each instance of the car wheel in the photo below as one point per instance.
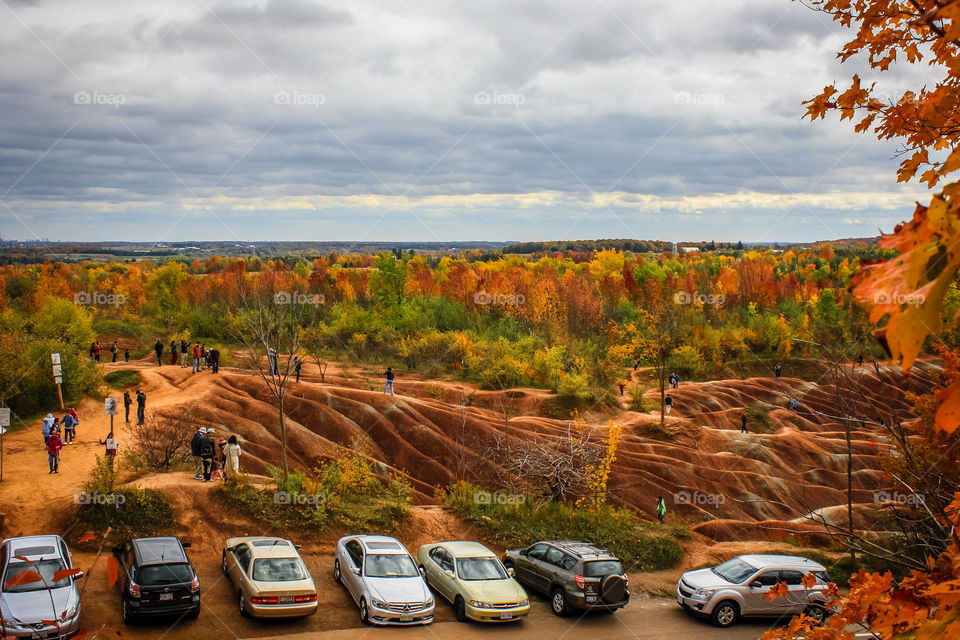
(243, 605)
(223, 563)
(128, 617)
(725, 614)
(817, 612)
(558, 603)
(364, 614)
(336, 572)
(460, 608)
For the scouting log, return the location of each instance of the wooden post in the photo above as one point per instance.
(4, 423)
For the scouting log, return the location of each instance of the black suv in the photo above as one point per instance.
(157, 579)
(576, 575)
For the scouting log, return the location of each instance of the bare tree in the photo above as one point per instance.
(163, 440)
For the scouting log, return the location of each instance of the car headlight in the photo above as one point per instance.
(524, 603)
(378, 603)
(70, 613)
(481, 605)
(703, 594)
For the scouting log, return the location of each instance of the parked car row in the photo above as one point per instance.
(40, 598)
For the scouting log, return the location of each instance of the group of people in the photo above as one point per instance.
(52, 439)
(141, 406)
(96, 349)
(214, 458)
(180, 352)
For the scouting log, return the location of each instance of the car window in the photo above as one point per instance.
(480, 569)
(243, 557)
(355, 551)
(600, 568)
(823, 576)
(46, 568)
(768, 578)
(278, 570)
(393, 565)
(537, 551)
(791, 577)
(157, 574)
(568, 562)
(734, 571)
(553, 556)
(446, 561)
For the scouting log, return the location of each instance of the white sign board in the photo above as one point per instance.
(110, 406)
(57, 370)
(55, 357)
(57, 380)
(5, 417)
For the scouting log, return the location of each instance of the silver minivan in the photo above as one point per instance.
(738, 587)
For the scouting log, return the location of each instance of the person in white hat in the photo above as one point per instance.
(195, 453)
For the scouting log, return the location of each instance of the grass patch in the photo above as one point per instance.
(128, 511)
(640, 545)
(758, 421)
(122, 378)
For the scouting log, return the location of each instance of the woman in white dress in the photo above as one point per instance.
(232, 451)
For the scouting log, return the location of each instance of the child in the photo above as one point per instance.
(111, 446)
(54, 445)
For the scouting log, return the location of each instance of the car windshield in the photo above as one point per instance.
(278, 569)
(600, 568)
(394, 565)
(155, 574)
(734, 571)
(480, 569)
(46, 569)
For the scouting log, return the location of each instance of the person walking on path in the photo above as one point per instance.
(272, 362)
(743, 422)
(297, 365)
(215, 360)
(158, 348)
(636, 363)
(126, 355)
(54, 445)
(661, 509)
(777, 370)
(173, 352)
(47, 427)
(184, 349)
(69, 428)
(110, 447)
(115, 351)
(621, 385)
(195, 453)
(141, 406)
(197, 357)
(860, 360)
(389, 381)
(126, 406)
(207, 449)
(232, 452)
(667, 404)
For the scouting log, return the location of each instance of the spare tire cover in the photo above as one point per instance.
(613, 589)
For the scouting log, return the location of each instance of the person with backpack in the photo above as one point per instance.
(126, 406)
(214, 360)
(47, 427)
(622, 386)
(207, 450)
(54, 445)
(661, 509)
(141, 406)
(158, 349)
(69, 428)
(389, 381)
(667, 404)
(743, 422)
(195, 452)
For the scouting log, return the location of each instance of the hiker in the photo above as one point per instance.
(272, 361)
(860, 360)
(661, 509)
(389, 382)
(636, 364)
(670, 381)
(743, 422)
(668, 404)
(115, 350)
(158, 348)
(173, 352)
(207, 449)
(215, 360)
(110, 447)
(69, 428)
(126, 406)
(297, 364)
(195, 452)
(204, 358)
(621, 386)
(141, 406)
(47, 427)
(232, 452)
(197, 357)
(793, 404)
(184, 349)
(777, 369)
(54, 445)
(676, 381)
(126, 355)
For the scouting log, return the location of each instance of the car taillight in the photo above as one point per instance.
(626, 580)
(133, 589)
(195, 585)
(581, 583)
(310, 597)
(264, 599)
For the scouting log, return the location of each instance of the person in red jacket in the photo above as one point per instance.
(54, 445)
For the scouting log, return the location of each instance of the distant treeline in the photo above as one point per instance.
(621, 244)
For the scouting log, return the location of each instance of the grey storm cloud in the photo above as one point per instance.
(128, 114)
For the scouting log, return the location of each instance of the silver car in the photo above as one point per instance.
(27, 606)
(383, 580)
(738, 588)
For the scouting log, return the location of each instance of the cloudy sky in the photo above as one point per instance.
(431, 120)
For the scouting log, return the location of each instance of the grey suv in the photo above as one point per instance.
(575, 575)
(738, 588)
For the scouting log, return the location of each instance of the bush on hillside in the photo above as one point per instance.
(128, 511)
(122, 378)
(161, 443)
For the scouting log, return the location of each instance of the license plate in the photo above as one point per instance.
(506, 615)
(286, 599)
(591, 598)
(166, 596)
(406, 617)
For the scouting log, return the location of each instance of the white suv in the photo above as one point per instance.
(738, 588)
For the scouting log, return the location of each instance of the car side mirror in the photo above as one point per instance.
(449, 573)
(78, 575)
(356, 570)
(523, 552)
(186, 545)
(298, 547)
(422, 571)
(511, 572)
(117, 549)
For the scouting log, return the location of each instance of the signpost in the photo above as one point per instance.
(4, 423)
(110, 408)
(57, 376)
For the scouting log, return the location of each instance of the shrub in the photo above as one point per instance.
(122, 378)
(758, 421)
(636, 399)
(129, 511)
(161, 443)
